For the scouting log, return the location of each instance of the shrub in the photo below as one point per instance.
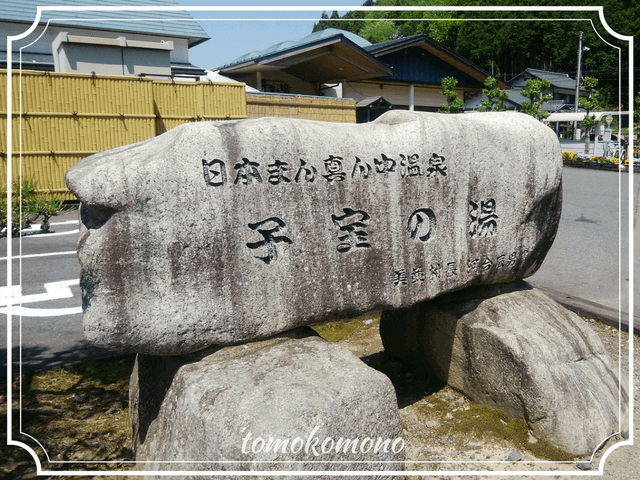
(26, 207)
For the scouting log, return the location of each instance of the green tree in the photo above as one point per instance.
(495, 97)
(454, 104)
(588, 103)
(377, 31)
(535, 94)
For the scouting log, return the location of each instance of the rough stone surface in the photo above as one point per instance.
(513, 348)
(295, 385)
(223, 232)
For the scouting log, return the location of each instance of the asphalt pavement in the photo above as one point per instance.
(587, 270)
(588, 267)
(46, 322)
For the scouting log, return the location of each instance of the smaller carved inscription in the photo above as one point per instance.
(333, 167)
(399, 277)
(276, 173)
(385, 166)
(308, 174)
(438, 272)
(436, 166)
(422, 224)
(247, 170)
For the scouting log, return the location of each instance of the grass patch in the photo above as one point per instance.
(337, 331)
(484, 419)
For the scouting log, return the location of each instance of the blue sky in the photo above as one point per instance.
(235, 33)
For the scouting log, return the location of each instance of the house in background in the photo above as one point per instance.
(562, 88)
(310, 66)
(419, 64)
(146, 43)
(405, 73)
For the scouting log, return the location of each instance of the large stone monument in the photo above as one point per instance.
(219, 233)
(207, 248)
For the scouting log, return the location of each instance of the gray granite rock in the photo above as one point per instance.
(224, 232)
(513, 348)
(224, 408)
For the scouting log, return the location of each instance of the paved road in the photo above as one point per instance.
(590, 256)
(47, 319)
(583, 262)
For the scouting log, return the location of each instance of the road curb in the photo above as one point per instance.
(586, 308)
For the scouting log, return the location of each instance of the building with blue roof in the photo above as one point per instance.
(149, 42)
(403, 73)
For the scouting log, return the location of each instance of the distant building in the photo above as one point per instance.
(149, 43)
(562, 88)
(405, 73)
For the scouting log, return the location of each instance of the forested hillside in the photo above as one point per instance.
(507, 42)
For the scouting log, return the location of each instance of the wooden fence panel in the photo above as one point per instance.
(60, 118)
(298, 106)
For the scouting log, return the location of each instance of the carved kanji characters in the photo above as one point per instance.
(385, 165)
(215, 172)
(483, 218)
(436, 166)
(409, 166)
(247, 171)
(352, 225)
(417, 275)
(269, 241)
(333, 167)
(399, 277)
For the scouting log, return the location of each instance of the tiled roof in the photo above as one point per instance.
(169, 23)
(558, 80)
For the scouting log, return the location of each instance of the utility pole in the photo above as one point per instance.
(576, 136)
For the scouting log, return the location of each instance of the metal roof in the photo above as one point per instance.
(324, 56)
(304, 41)
(168, 23)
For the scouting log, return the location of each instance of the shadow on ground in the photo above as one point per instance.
(38, 358)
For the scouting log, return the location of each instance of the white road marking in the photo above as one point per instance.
(54, 291)
(67, 222)
(42, 312)
(47, 235)
(35, 255)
